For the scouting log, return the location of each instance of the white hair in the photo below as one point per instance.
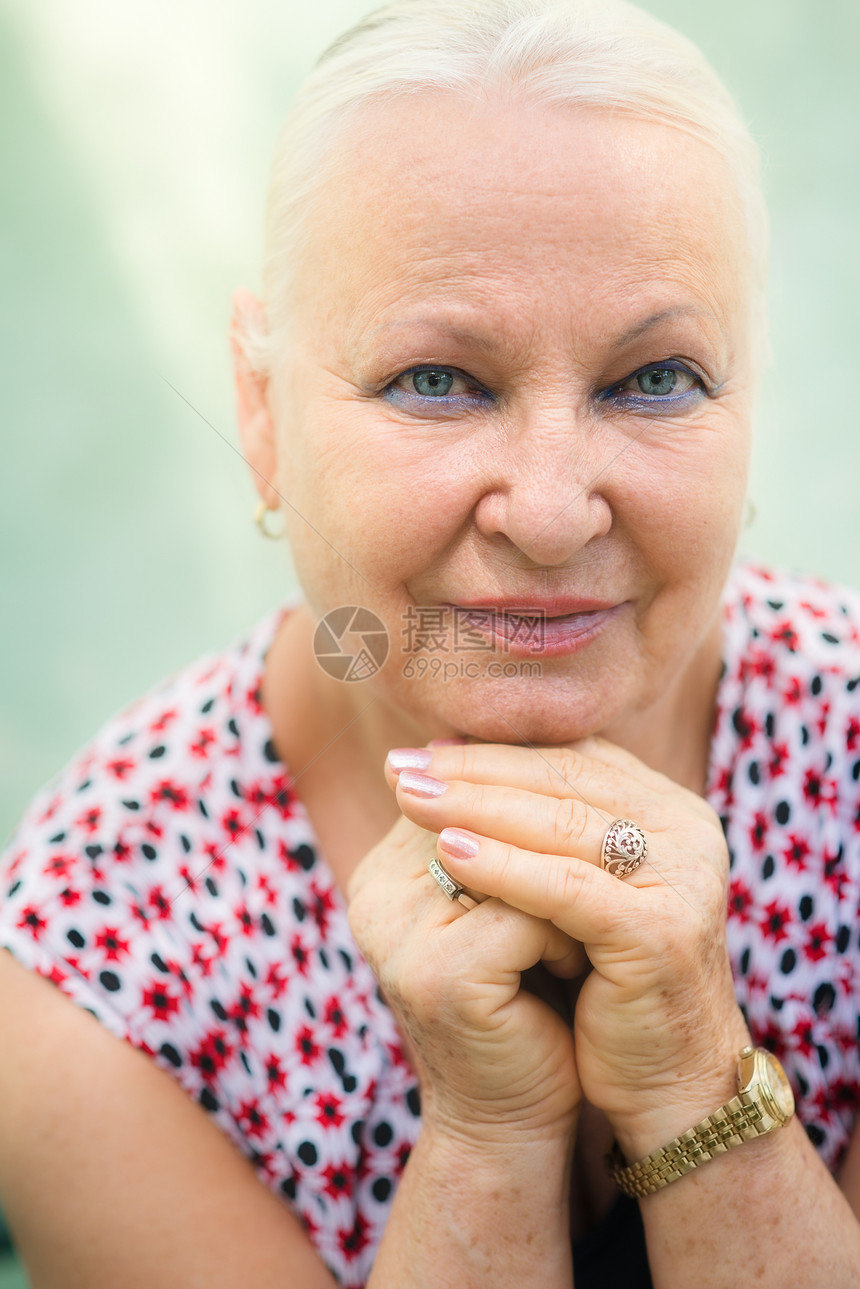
(597, 53)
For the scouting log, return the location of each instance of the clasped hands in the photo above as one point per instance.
(656, 1026)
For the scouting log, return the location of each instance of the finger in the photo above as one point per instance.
(527, 820)
(550, 771)
(584, 901)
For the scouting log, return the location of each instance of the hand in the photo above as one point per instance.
(657, 1028)
(494, 1062)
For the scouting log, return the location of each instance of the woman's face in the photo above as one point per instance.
(518, 382)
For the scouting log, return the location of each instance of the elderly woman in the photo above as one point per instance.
(500, 385)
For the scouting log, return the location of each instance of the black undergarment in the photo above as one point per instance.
(612, 1255)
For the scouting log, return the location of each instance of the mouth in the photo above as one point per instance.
(543, 630)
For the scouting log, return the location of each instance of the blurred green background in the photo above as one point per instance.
(134, 147)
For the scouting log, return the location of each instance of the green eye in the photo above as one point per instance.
(432, 384)
(659, 380)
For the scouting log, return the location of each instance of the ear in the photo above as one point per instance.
(253, 413)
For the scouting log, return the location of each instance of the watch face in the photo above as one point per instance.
(778, 1086)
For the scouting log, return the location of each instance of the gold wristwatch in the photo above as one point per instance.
(764, 1102)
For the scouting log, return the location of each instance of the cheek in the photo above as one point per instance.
(379, 502)
(689, 500)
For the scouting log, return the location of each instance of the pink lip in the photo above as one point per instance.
(544, 629)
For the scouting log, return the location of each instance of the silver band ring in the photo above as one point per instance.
(444, 880)
(624, 848)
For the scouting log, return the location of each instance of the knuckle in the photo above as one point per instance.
(570, 883)
(564, 767)
(569, 825)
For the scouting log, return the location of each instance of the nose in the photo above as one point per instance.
(549, 494)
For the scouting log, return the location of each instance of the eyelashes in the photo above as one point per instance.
(436, 388)
(660, 388)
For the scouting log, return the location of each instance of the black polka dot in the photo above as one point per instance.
(149, 851)
(211, 885)
(823, 1057)
(274, 1019)
(788, 962)
(304, 856)
(61, 836)
(208, 1100)
(110, 981)
(815, 685)
(807, 907)
(74, 937)
(93, 851)
(767, 867)
(130, 804)
(413, 1100)
(233, 727)
(824, 998)
(381, 1189)
(269, 751)
(157, 752)
(101, 897)
(782, 812)
(307, 1153)
(383, 1134)
(158, 962)
(169, 1052)
(843, 938)
(288, 1187)
(815, 1134)
(745, 962)
(753, 772)
(267, 925)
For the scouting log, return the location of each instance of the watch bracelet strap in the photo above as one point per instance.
(739, 1120)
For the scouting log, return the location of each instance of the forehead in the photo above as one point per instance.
(530, 212)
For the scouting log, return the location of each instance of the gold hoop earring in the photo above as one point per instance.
(260, 520)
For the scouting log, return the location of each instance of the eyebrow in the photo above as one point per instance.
(489, 344)
(681, 311)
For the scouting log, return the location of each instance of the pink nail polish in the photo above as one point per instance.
(460, 844)
(409, 758)
(421, 785)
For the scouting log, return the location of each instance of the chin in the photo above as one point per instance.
(529, 712)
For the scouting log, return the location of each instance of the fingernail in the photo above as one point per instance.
(460, 844)
(409, 758)
(447, 742)
(421, 785)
